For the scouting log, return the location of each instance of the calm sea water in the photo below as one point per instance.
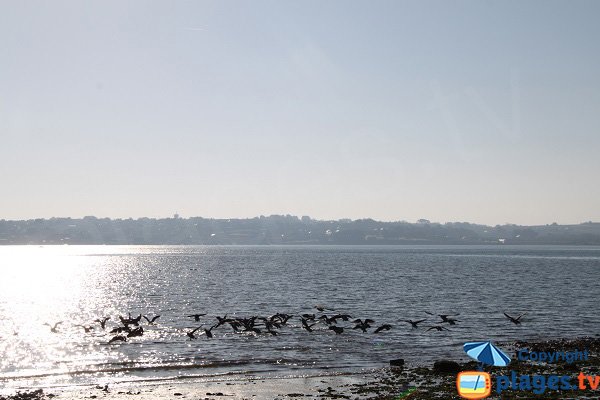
(557, 286)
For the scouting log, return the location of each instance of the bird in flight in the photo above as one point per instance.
(196, 316)
(102, 321)
(363, 325)
(448, 320)
(438, 328)
(139, 331)
(151, 320)
(517, 320)
(53, 328)
(208, 332)
(384, 327)
(118, 338)
(191, 335)
(337, 329)
(444, 317)
(415, 324)
(343, 317)
(306, 325)
(223, 320)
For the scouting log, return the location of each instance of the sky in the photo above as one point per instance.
(478, 111)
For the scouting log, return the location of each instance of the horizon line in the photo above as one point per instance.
(344, 220)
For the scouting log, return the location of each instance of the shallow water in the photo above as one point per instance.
(557, 286)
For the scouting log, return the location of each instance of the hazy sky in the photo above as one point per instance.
(481, 111)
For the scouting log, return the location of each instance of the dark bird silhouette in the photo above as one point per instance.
(282, 318)
(223, 320)
(309, 317)
(327, 320)
(102, 321)
(517, 320)
(343, 317)
(130, 321)
(196, 316)
(248, 324)
(415, 324)
(151, 320)
(191, 333)
(234, 325)
(437, 328)
(337, 329)
(450, 321)
(269, 324)
(306, 326)
(120, 329)
(363, 325)
(444, 317)
(384, 327)
(139, 331)
(253, 329)
(366, 321)
(208, 332)
(118, 338)
(135, 321)
(53, 328)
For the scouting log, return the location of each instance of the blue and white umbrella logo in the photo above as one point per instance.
(486, 353)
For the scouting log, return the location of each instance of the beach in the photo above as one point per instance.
(234, 389)
(437, 381)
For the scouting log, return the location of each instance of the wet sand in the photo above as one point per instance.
(259, 389)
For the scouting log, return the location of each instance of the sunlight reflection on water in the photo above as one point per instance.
(77, 284)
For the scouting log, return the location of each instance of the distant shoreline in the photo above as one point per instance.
(323, 245)
(285, 230)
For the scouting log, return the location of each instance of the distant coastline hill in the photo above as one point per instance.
(286, 230)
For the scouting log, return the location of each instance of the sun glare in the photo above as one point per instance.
(40, 287)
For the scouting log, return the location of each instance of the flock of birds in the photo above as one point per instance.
(132, 326)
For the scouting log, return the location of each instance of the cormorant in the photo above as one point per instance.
(415, 324)
(337, 329)
(384, 327)
(151, 321)
(196, 316)
(517, 320)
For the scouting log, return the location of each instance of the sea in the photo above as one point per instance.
(557, 288)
